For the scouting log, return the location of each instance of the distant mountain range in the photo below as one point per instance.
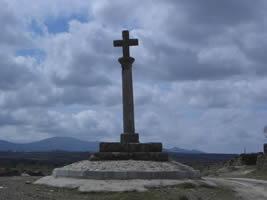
(184, 151)
(67, 144)
(51, 144)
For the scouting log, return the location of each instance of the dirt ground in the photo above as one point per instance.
(19, 188)
(246, 188)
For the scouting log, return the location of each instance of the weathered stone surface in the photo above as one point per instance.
(133, 185)
(153, 156)
(156, 156)
(265, 148)
(127, 84)
(129, 138)
(130, 147)
(129, 169)
(110, 175)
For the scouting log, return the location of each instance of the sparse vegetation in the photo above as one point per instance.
(188, 185)
(183, 197)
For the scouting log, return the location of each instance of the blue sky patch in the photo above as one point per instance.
(38, 54)
(61, 24)
(36, 28)
(55, 25)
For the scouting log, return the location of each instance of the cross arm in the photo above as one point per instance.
(133, 42)
(117, 43)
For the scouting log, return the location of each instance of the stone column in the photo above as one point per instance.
(129, 135)
(265, 148)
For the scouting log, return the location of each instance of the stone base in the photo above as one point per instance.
(265, 148)
(124, 170)
(129, 138)
(134, 185)
(131, 147)
(148, 156)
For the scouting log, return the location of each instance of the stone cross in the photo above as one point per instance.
(129, 135)
(129, 148)
(125, 43)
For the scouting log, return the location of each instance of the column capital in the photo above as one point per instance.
(126, 60)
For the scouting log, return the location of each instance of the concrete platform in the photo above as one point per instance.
(121, 176)
(125, 170)
(89, 185)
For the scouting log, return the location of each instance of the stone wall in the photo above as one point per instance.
(262, 162)
(249, 159)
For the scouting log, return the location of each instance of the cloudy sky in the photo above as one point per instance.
(200, 76)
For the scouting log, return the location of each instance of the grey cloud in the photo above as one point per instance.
(84, 124)
(13, 75)
(185, 65)
(8, 119)
(83, 72)
(225, 12)
(204, 20)
(13, 33)
(176, 45)
(101, 95)
(86, 54)
(30, 95)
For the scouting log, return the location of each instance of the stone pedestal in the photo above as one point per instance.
(127, 95)
(130, 151)
(129, 138)
(130, 147)
(265, 148)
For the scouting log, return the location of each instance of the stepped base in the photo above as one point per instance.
(148, 156)
(131, 147)
(129, 138)
(125, 170)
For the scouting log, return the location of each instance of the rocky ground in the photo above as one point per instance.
(20, 188)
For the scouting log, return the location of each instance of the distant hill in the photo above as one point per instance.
(51, 144)
(183, 151)
(67, 144)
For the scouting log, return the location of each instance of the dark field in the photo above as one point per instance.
(36, 163)
(201, 161)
